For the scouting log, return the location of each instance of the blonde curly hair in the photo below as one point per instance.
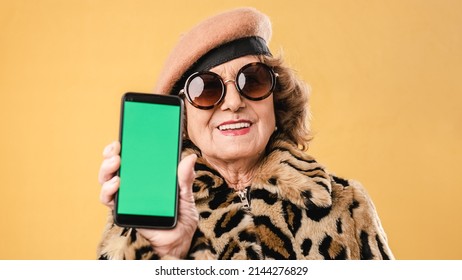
(291, 105)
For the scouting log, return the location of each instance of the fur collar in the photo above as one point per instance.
(286, 171)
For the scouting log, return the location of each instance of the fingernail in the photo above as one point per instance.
(114, 180)
(108, 149)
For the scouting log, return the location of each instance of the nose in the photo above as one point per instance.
(233, 99)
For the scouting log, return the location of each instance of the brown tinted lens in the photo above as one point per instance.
(205, 89)
(255, 81)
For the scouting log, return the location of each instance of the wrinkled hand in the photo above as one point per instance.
(173, 242)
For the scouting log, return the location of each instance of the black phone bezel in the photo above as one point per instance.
(143, 221)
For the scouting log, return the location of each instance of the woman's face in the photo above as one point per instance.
(237, 128)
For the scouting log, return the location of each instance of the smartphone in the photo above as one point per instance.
(150, 139)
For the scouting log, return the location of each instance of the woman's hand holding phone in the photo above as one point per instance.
(107, 174)
(173, 242)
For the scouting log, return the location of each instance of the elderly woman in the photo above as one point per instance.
(248, 190)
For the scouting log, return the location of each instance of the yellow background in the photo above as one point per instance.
(386, 103)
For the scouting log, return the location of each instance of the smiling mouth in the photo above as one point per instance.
(234, 126)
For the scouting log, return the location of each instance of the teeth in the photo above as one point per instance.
(234, 126)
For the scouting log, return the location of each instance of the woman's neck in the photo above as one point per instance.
(237, 173)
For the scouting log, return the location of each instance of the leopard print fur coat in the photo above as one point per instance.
(297, 210)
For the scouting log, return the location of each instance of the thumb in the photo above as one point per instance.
(186, 174)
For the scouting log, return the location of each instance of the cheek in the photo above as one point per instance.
(197, 121)
(191, 126)
(267, 117)
(269, 126)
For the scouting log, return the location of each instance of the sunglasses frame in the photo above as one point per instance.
(273, 75)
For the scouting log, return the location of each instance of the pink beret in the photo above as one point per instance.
(209, 34)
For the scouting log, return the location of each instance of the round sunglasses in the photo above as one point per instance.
(205, 90)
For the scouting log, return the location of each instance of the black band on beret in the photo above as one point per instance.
(230, 51)
(224, 53)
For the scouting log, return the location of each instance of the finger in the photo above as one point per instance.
(186, 174)
(108, 168)
(108, 191)
(111, 149)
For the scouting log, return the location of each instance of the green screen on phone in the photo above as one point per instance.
(149, 159)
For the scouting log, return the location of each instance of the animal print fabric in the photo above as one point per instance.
(297, 211)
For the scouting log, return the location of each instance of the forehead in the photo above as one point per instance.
(233, 66)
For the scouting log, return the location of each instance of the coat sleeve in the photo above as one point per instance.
(372, 240)
(119, 243)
